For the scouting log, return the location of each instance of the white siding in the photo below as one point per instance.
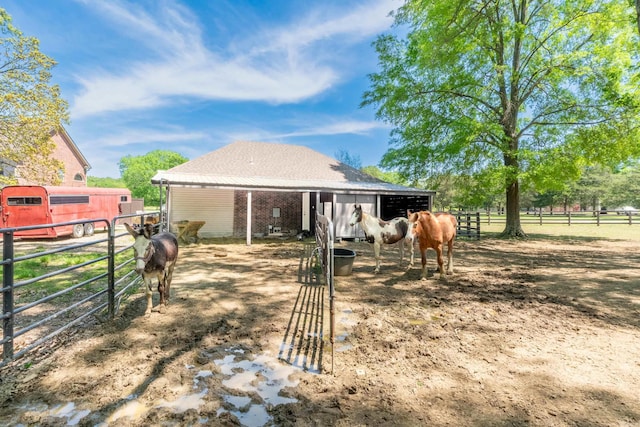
(306, 211)
(212, 205)
(344, 209)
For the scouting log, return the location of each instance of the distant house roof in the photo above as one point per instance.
(72, 146)
(270, 166)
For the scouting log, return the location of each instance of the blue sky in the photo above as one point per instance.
(193, 76)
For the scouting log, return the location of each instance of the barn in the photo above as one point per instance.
(258, 189)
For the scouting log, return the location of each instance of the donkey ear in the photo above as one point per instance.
(148, 230)
(131, 230)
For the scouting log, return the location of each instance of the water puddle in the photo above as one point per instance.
(263, 378)
(67, 410)
(343, 346)
(346, 322)
(252, 385)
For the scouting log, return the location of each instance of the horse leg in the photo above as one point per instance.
(410, 242)
(148, 281)
(423, 274)
(450, 257)
(167, 283)
(440, 260)
(161, 290)
(376, 251)
(401, 245)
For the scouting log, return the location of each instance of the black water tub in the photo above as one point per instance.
(343, 261)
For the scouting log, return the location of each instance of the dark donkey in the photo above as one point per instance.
(155, 255)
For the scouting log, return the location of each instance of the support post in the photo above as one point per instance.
(7, 295)
(111, 277)
(248, 218)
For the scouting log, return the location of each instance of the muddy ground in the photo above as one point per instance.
(544, 332)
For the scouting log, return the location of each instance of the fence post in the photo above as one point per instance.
(489, 217)
(629, 213)
(111, 290)
(540, 216)
(7, 295)
(598, 218)
(569, 218)
(478, 225)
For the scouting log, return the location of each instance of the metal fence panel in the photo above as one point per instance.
(87, 287)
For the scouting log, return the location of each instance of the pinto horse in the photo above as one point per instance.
(432, 231)
(155, 256)
(378, 231)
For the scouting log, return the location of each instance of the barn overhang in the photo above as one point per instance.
(338, 194)
(276, 184)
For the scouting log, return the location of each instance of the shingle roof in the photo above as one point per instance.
(259, 165)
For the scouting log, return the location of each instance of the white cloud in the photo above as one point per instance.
(142, 136)
(328, 128)
(281, 65)
(352, 127)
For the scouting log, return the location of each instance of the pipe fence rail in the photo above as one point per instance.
(83, 279)
(595, 217)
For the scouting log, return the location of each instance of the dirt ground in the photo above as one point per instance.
(543, 332)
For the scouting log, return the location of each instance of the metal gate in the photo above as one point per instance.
(324, 247)
(303, 342)
(49, 287)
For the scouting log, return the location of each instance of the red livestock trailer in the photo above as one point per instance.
(24, 205)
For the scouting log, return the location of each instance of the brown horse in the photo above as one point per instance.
(432, 231)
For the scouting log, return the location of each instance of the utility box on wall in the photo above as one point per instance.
(271, 211)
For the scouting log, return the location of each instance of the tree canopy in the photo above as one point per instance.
(30, 107)
(94, 181)
(514, 93)
(137, 171)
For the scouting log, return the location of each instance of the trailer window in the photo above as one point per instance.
(123, 198)
(24, 201)
(68, 200)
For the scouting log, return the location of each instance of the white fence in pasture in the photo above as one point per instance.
(566, 218)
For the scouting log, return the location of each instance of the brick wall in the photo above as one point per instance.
(72, 165)
(262, 204)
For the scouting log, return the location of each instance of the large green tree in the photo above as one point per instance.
(526, 92)
(30, 106)
(137, 171)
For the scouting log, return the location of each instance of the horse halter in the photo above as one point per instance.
(148, 253)
(358, 215)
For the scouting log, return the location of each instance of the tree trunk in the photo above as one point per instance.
(638, 14)
(513, 227)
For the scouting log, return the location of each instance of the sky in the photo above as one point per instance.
(193, 76)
